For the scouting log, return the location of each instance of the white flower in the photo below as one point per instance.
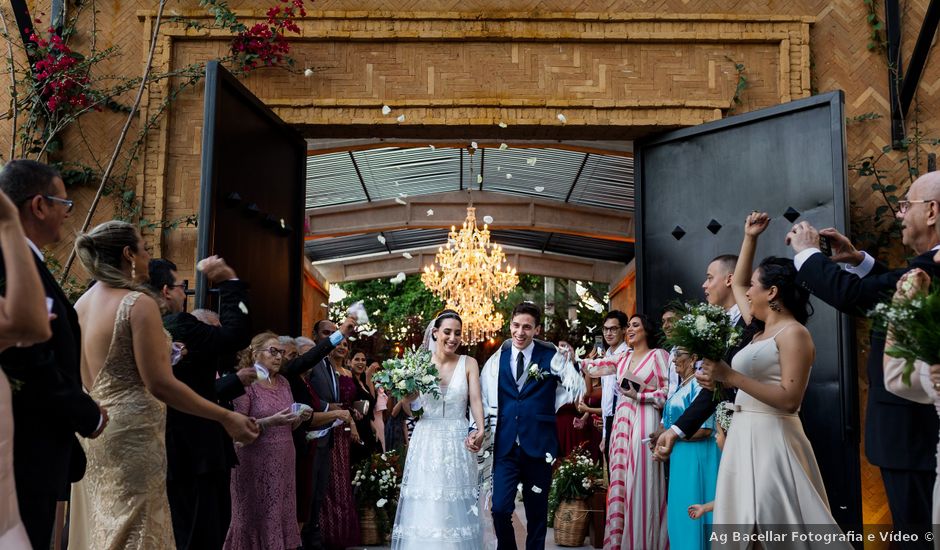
(701, 322)
(427, 378)
(586, 483)
(381, 502)
(402, 385)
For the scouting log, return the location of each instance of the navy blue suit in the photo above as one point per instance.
(529, 417)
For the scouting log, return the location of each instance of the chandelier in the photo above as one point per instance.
(470, 277)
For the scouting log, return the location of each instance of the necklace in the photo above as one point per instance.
(687, 378)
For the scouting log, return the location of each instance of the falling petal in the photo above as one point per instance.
(430, 212)
(479, 178)
(599, 308)
(474, 145)
(399, 201)
(351, 338)
(487, 219)
(508, 176)
(401, 118)
(431, 146)
(519, 487)
(381, 238)
(369, 332)
(536, 489)
(474, 510)
(396, 184)
(575, 322)
(591, 329)
(539, 189)
(503, 147)
(531, 161)
(579, 353)
(562, 118)
(403, 195)
(549, 458)
(386, 109)
(308, 72)
(323, 305)
(499, 168)
(677, 288)
(486, 454)
(381, 502)
(243, 308)
(407, 255)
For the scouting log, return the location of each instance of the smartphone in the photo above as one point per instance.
(825, 246)
(599, 344)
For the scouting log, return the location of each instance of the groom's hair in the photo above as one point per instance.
(527, 308)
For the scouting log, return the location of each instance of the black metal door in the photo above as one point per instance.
(252, 200)
(694, 189)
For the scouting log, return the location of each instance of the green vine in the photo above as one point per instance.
(876, 38)
(740, 86)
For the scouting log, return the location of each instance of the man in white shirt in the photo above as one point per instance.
(615, 327)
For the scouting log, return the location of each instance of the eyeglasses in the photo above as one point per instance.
(275, 352)
(184, 285)
(611, 329)
(69, 204)
(905, 205)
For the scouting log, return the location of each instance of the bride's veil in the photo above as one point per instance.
(428, 342)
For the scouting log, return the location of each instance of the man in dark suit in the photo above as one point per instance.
(900, 435)
(199, 452)
(717, 289)
(49, 406)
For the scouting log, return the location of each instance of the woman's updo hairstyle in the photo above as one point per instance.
(101, 252)
(447, 314)
(246, 357)
(781, 273)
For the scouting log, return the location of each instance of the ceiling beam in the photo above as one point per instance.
(450, 209)
(529, 262)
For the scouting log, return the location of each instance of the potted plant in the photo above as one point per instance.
(574, 480)
(376, 484)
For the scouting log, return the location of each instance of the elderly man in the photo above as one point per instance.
(900, 436)
(50, 406)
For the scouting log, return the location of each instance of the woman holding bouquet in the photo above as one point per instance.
(438, 506)
(778, 480)
(636, 500)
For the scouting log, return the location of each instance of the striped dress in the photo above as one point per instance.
(636, 499)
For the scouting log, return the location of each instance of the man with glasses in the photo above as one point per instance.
(199, 452)
(900, 435)
(615, 328)
(49, 406)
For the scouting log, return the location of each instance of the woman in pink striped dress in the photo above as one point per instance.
(636, 499)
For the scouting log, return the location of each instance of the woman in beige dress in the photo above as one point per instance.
(23, 321)
(768, 479)
(924, 386)
(121, 502)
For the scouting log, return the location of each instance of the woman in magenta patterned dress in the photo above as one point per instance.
(264, 505)
(339, 518)
(636, 499)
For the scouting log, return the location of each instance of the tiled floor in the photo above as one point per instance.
(519, 521)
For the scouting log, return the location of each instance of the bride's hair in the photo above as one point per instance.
(447, 314)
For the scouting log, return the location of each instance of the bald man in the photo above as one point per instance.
(900, 435)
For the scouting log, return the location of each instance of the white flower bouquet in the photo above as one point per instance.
(376, 485)
(913, 323)
(410, 374)
(705, 330)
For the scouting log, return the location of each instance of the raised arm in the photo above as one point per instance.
(755, 224)
(23, 315)
(602, 366)
(153, 362)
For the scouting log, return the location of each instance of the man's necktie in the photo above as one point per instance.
(520, 365)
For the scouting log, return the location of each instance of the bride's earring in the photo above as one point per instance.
(775, 306)
(133, 272)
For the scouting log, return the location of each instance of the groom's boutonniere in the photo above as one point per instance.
(535, 373)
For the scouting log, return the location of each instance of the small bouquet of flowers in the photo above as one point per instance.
(412, 373)
(376, 484)
(705, 330)
(576, 477)
(913, 323)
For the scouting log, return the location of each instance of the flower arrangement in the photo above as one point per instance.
(376, 484)
(576, 477)
(535, 373)
(913, 323)
(61, 77)
(412, 373)
(704, 330)
(264, 44)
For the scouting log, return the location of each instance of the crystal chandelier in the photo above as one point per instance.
(470, 277)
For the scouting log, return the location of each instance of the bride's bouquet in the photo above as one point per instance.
(705, 330)
(913, 323)
(410, 374)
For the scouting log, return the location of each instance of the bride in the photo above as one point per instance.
(438, 506)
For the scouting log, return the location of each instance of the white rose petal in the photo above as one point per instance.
(386, 109)
(403, 195)
(479, 178)
(474, 145)
(474, 510)
(399, 201)
(407, 255)
(308, 72)
(432, 147)
(503, 147)
(401, 118)
(323, 305)
(381, 239)
(531, 161)
(243, 308)
(486, 454)
(539, 189)
(508, 176)
(430, 212)
(381, 502)
(369, 332)
(562, 118)
(549, 458)
(519, 487)
(502, 124)
(487, 219)
(537, 490)
(677, 288)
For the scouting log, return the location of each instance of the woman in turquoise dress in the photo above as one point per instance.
(693, 466)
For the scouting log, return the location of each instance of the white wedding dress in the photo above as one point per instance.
(438, 507)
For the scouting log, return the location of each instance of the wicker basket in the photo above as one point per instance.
(571, 522)
(369, 527)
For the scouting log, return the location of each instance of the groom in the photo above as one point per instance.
(524, 383)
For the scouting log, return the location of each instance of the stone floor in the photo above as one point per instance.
(519, 521)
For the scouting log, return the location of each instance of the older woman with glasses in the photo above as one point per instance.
(264, 507)
(693, 465)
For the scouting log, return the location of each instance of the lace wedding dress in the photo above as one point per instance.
(438, 507)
